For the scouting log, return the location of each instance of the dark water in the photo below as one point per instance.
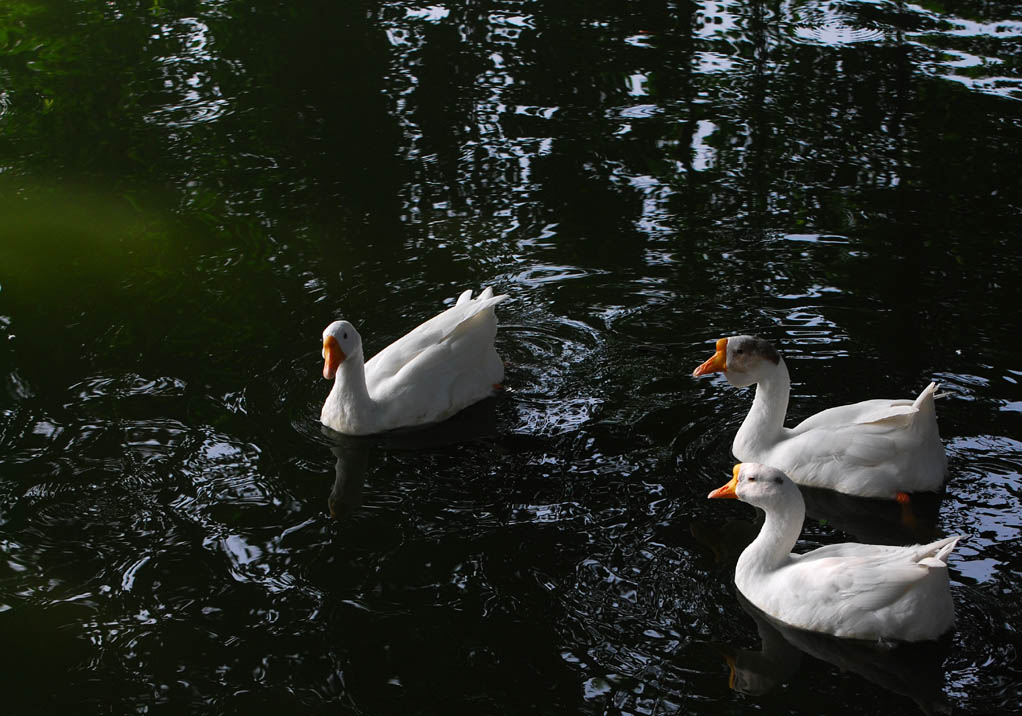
(190, 191)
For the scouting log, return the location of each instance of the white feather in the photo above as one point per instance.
(440, 367)
(875, 448)
(859, 591)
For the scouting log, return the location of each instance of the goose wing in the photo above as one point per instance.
(861, 577)
(400, 354)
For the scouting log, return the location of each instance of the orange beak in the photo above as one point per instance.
(717, 362)
(333, 356)
(728, 490)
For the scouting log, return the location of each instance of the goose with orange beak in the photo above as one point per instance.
(875, 448)
(851, 590)
(439, 368)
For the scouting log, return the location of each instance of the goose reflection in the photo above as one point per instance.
(914, 670)
(351, 453)
(868, 520)
(876, 521)
(349, 476)
(755, 672)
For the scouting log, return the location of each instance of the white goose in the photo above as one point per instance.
(440, 367)
(850, 590)
(875, 448)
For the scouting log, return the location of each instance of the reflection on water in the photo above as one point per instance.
(349, 478)
(352, 454)
(876, 521)
(912, 670)
(191, 191)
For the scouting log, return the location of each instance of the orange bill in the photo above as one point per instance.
(728, 490)
(717, 362)
(333, 356)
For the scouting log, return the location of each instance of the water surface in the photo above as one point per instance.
(192, 190)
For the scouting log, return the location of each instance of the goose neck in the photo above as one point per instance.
(349, 403)
(764, 424)
(772, 547)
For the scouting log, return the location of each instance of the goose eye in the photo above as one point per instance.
(739, 351)
(345, 335)
(752, 479)
(778, 480)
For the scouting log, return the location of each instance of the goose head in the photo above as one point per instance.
(340, 342)
(743, 360)
(759, 485)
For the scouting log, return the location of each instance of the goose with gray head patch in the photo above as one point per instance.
(874, 448)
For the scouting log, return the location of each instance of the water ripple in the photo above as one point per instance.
(830, 24)
(199, 97)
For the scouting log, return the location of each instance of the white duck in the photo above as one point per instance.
(442, 366)
(850, 590)
(875, 448)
